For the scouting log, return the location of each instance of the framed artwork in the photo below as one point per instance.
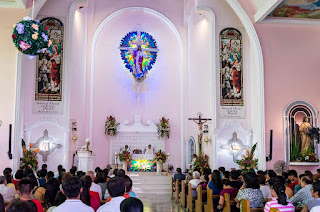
(231, 68)
(304, 9)
(50, 63)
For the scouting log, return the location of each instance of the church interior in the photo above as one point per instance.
(160, 88)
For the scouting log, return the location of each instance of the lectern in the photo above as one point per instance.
(86, 160)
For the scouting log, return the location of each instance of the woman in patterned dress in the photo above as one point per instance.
(250, 191)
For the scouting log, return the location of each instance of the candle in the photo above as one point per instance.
(115, 158)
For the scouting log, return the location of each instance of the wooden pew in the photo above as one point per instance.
(245, 205)
(209, 206)
(183, 194)
(298, 209)
(198, 202)
(6, 203)
(226, 205)
(177, 190)
(190, 200)
(172, 191)
(274, 210)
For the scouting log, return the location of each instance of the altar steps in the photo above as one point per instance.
(149, 183)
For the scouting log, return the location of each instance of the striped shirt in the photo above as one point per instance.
(303, 196)
(282, 208)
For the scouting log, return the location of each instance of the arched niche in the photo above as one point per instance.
(293, 118)
(190, 150)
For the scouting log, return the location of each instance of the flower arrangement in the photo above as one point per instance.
(160, 156)
(111, 126)
(29, 160)
(201, 163)
(164, 128)
(248, 163)
(125, 156)
(310, 157)
(30, 37)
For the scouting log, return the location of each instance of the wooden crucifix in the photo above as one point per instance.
(200, 121)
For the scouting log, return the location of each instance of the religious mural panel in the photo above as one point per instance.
(231, 74)
(297, 9)
(49, 70)
(50, 63)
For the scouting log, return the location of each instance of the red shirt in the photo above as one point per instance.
(232, 191)
(39, 206)
(94, 200)
(293, 184)
(15, 183)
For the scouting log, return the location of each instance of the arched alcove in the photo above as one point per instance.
(109, 77)
(294, 116)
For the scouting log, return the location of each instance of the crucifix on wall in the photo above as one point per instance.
(200, 121)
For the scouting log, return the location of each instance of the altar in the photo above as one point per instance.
(137, 136)
(142, 163)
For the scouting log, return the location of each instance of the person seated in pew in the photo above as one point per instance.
(303, 195)
(225, 175)
(178, 175)
(281, 179)
(234, 179)
(279, 200)
(195, 182)
(293, 177)
(298, 186)
(250, 191)
(215, 182)
(266, 191)
(227, 189)
(315, 191)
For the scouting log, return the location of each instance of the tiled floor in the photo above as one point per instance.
(154, 191)
(160, 203)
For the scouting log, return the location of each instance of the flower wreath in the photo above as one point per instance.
(30, 37)
(111, 126)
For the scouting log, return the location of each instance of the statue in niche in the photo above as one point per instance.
(306, 140)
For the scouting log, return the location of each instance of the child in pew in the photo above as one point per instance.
(227, 189)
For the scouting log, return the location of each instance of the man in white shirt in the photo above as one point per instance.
(8, 193)
(94, 187)
(116, 190)
(72, 188)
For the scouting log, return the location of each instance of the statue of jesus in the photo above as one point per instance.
(138, 56)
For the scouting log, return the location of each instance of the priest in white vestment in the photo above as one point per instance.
(149, 150)
(87, 146)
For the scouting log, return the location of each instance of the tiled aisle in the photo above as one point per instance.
(154, 191)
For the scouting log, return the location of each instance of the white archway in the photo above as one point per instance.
(181, 61)
(257, 82)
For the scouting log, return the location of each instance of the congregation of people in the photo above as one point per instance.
(264, 189)
(104, 190)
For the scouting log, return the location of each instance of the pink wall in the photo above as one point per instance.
(114, 87)
(289, 53)
(289, 57)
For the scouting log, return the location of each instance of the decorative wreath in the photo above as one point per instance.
(146, 41)
(30, 37)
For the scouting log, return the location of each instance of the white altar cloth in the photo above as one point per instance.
(142, 156)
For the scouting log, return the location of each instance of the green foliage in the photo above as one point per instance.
(248, 163)
(295, 150)
(30, 37)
